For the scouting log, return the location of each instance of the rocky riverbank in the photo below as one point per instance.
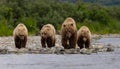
(34, 47)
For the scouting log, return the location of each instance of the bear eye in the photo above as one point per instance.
(82, 30)
(44, 33)
(64, 25)
(71, 24)
(19, 29)
(87, 31)
(48, 29)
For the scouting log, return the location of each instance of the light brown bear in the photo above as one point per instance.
(84, 37)
(48, 36)
(20, 34)
(69, 33)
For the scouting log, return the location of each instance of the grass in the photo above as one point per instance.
(4, 29)
(98, 28)
(95, 27)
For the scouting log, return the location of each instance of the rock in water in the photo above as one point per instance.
(45, 51)
(22, 50)
(11, 49)
(71, 51)
(85, 51)
(58, 49)
(110, 48)
(3, 50)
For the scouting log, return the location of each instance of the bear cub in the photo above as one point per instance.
(20, 34)
(48, 36)
(84, 37)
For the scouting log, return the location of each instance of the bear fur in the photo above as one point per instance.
(48, 36)
(69, 33)
(20, 34)
(84, 37)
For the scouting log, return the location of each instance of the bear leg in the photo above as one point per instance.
(23, 42)
(54, 41)
(43, 41)
(80, 43)
(87, 44)
(73, 41)
(17, 42)
(50, 42)
(64, 43)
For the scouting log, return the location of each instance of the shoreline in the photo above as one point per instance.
(93, 35)
(106, 35)
(100, 35)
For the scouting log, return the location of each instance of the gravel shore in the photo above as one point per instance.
(34, 46)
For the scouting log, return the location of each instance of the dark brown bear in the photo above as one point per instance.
(48, 36)
(69, 33)
(20, 34)
(84, 37)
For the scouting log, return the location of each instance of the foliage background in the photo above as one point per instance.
(101, 16)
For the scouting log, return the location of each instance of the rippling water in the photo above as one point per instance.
(112, 41)
(52, 61)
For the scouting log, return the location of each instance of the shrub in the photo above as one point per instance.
(4, 29)
(30, 24)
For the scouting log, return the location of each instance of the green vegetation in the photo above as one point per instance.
(35, 13)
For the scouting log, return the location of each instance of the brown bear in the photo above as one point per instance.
(84, 37)
(48, 35)
(20, 34)
(69, 33)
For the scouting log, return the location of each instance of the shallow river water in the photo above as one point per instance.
(100, 60)
(112, 41)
